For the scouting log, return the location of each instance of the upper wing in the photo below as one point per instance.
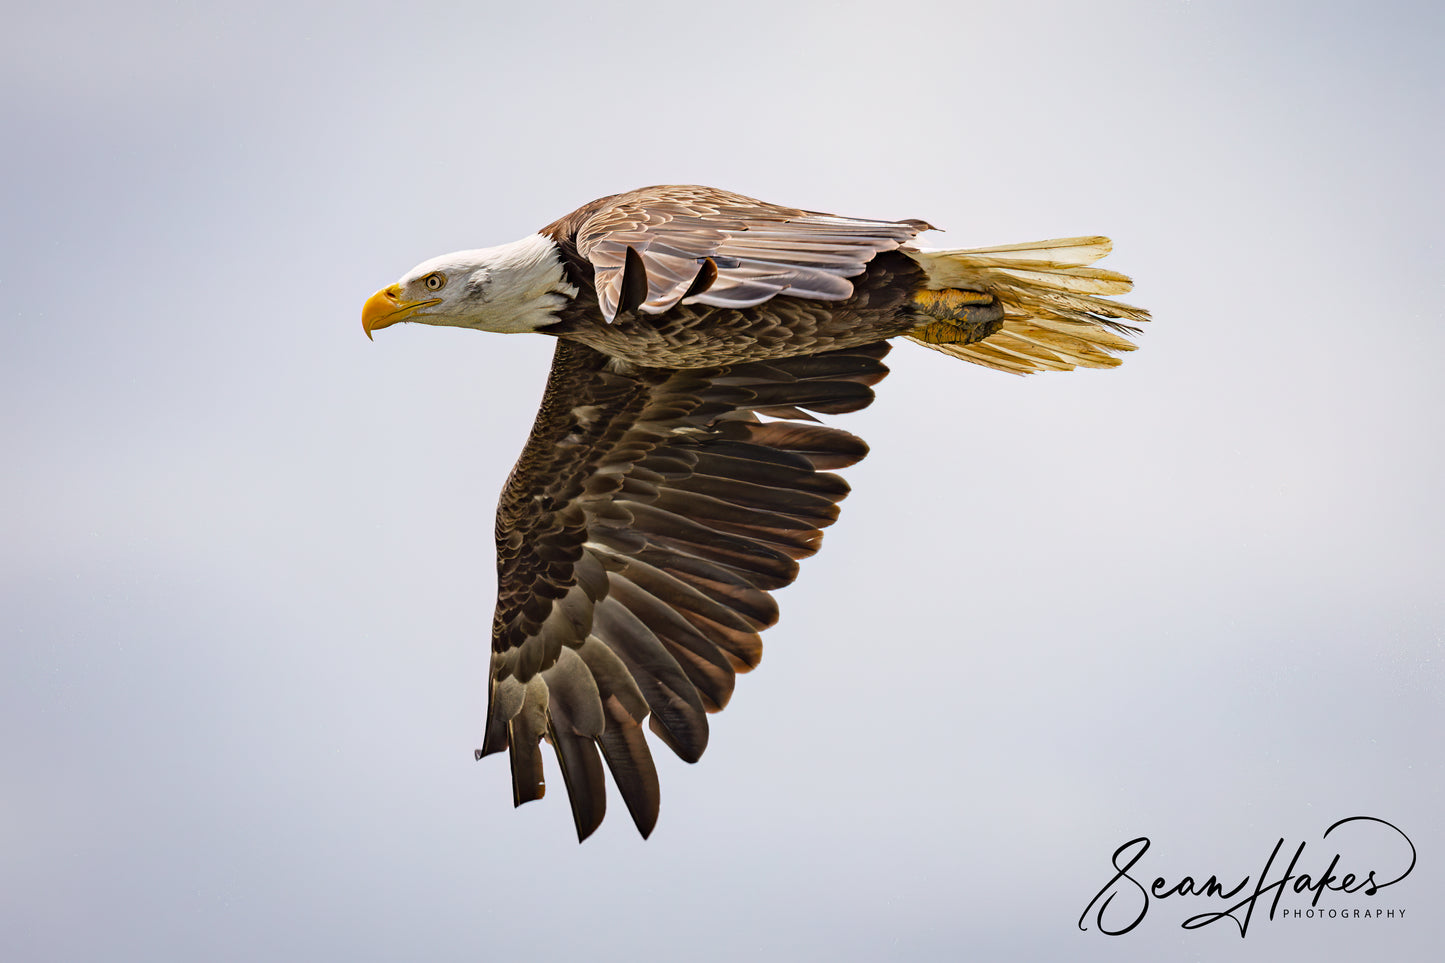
(715, 247)
(638, 538)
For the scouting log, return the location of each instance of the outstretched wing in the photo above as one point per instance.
(638, 537)
(699, 244)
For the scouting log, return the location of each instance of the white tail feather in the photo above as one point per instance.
(1072, 251)
(1057, 315)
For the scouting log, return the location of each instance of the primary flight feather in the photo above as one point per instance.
(675, 474)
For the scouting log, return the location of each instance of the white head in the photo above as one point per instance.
(510, 288)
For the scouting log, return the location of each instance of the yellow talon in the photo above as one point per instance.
(939, 332)
(950, 303)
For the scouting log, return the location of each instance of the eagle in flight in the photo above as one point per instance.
(675, 474)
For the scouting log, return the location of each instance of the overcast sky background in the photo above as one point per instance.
(246, 572)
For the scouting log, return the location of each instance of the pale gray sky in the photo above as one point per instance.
(246, 563)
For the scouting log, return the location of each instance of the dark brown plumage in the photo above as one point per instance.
(649, 517)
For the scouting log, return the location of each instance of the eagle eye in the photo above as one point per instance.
(434, 281)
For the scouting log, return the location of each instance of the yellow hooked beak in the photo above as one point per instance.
(385, 308)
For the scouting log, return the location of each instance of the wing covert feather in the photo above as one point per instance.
(700, 244)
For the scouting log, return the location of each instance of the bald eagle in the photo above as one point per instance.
(676, 473)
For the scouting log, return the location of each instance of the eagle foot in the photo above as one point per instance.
(962, 317)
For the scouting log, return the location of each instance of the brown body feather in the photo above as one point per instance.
(698, 335)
